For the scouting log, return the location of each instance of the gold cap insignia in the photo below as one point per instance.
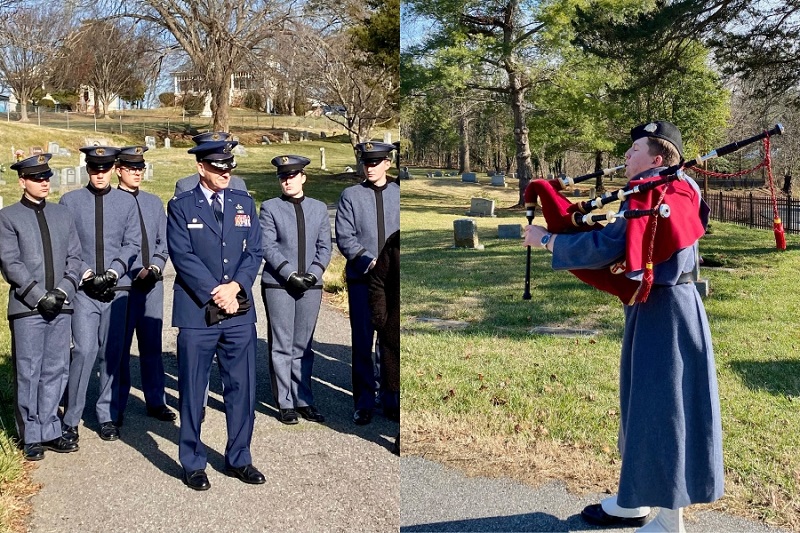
(41, 159)
(138, 150)
(651, 128)
(368, 146)
(100, 151)
(215, 137)
(284, 160)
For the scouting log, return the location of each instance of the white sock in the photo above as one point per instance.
(666, 521)
(610, 506)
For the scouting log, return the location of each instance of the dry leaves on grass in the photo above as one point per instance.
(15, 507)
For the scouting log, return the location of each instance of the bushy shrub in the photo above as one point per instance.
(167, 99)
(194, 104)
(253, 100)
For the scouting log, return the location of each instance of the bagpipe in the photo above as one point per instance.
(650, 200)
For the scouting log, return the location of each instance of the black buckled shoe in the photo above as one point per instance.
(33, 452)
(309, 412)
(247, 473)
(70, 433)
(109, 431)
(162, 412)
(362, 417)
(196, 479)
(594, 514)
(287, 416)
(61, 445)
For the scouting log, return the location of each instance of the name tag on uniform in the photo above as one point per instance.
(241, 221)
(194, 226)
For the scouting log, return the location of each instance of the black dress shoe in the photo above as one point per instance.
(162, 412)
(392, 413)
(109, 431)
(61, 445)
(247, 473)
(287, 416)
(196, 479)
(33, 452)
(70, 433)
(310, 412)
(362, 417)
(594, 514)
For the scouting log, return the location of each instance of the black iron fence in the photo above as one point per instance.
(755, 211)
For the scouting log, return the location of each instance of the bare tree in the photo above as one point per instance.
(27, 41)
(217, 35)
(110, 56)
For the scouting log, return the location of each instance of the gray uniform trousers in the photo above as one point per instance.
(292, 320)
(98, 329)
(40, 357)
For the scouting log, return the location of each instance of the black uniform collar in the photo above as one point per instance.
(374, 187)
(292, 200)
(27, 202)
(134, 193)
(97, 192)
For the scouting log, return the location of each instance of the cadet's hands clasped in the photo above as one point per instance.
(49, 305)
(300, 284)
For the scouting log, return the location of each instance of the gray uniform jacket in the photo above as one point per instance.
(365, 217)
(296, 238)
(39, 251)
(153, 223)
(190, 182)
(112, 214)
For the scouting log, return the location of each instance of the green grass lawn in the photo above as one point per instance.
(169, 165)
(495, 399)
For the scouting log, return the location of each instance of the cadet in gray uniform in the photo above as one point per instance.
(190, 182)
(366, 215)
(40, 259)
(108, 227)
(146, 297)
(296, 236)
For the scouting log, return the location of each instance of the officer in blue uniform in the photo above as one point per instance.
(107, 223)
(146, 297)
(296, 233)
(366, 215)
(40, 259)
(190, 182)
(215, 246)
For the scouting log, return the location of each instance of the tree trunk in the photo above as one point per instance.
(463, 145)
(220, 103)
(23, 109)
(524, 165)
(598, 165)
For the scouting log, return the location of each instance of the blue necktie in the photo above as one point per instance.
(216, 204)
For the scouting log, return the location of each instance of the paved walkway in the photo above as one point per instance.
(330, 477)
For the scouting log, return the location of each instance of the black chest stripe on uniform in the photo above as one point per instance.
(301, 238)
(99, 245)
(145, 242)
(47, 249)
(381, 224)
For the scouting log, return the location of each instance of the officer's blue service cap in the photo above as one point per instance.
(211, 136)
(34, 167)
(218, 154)
(289, 165)
(132, 156)
(100, 157)
(660, 129)
(372, 151)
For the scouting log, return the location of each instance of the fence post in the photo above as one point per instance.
(752, 213)
(721, 207)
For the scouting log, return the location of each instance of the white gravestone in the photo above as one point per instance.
(322, 159)
(481, 207)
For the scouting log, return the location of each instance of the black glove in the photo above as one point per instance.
(296, 283)
(214, 314)
(49, 306)
(99, 286)
(146, 283)
(309, 279)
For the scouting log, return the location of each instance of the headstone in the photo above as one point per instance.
(481, 207)
(499, 180)
(490, 173)
(95, 141)
(437, 174)
(509, 231)
(700, 284)
(323, 135)
(469, 177)
(69, 176)
(265, 139)
(304, 136)
(322, 158)
(465, 234)
(239, 150)
(285, 137)
(52, 148)
(36, 150)
(63, 152)
(82, 159)
(150, 142)
(148, 171)
(235, 138)
(576, 193)
(167, 142)
(405, 174)
(592, 192)
(387, 137)
(83, 175)
(55, 180)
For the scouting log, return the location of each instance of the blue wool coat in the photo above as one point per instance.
(670, 435)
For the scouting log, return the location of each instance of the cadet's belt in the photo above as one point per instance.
(684, 278)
